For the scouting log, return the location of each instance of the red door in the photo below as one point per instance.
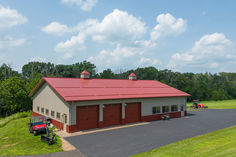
(112, 114)
(87, 117)
(132, 112)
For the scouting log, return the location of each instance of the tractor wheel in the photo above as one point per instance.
(35, 133)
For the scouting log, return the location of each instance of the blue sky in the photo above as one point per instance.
(185, 36)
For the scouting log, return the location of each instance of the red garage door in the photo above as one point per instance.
(132, 112)
(87, 117)
(111, 114)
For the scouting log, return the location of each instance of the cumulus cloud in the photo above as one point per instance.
(55, 28)
(168, 25)
(10, 17)
(9, 42)
(144, 61)
(37, 59)
(212, 52)
(108, 58)
(76, 43)
(118, 27)
(85, 5)
(124, 33)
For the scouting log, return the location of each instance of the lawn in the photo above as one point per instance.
(217, 143)
(224, 104)
(16, 140)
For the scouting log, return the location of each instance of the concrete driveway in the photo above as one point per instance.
(134, 140)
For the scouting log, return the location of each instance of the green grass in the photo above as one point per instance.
(224, 104)
(4, 121)
(16, 140)
(218, 143)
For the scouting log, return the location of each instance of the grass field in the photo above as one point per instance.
(224, 104)
(217, 143)
(16, 140)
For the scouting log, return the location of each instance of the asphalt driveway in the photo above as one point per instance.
(134, 140)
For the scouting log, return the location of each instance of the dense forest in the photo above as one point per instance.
(15, 86)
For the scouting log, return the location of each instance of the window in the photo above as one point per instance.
(52, 113)
(174, 108)
(58, 115)
(165, 109)
(47, 111)
(182, 108)
(156, 110)
(38, 108)
(42, 110)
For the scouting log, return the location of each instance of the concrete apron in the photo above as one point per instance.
(65, 134)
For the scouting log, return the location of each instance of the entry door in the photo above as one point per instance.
(182, 110)
(64, 121)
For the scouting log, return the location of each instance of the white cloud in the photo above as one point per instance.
(144, 61)
(168, 26)
(85, 5)
(211, 52)
(37, 59)
(9, 42)
(76, 43)
(10, 17)
(108, 58)
(118, 27)
(55, 28)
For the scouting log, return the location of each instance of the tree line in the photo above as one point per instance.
(15, 86)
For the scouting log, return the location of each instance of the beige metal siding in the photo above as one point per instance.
(146, 104)
(48, 99)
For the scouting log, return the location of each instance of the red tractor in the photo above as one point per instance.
(196, 104)
(37, 125)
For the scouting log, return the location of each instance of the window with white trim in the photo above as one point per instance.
(38, 108)
(52, 113)
(165, 109)
(156, 109)
(42, 110)
(47, 111)
(174, 108)
(58, 115)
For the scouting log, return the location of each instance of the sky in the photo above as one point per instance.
(184, 36)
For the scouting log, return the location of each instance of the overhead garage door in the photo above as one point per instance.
(111, 114)
(87, 117)
(132, 112)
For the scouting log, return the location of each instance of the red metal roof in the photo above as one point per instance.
(85, 72)
(76, 89)
(132, 74)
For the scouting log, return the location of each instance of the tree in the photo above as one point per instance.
(107, 74)
(6, 71)
(14, 96)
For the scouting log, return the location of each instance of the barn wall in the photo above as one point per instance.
(146, 104)
(46, 97)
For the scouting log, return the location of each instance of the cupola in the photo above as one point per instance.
(132, 76)
(85, 74)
